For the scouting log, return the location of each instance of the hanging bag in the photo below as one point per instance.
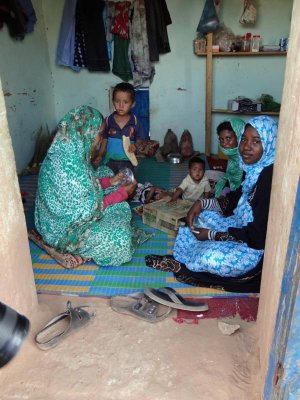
(209, 21)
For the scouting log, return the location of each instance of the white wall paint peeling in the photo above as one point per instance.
(27, 87)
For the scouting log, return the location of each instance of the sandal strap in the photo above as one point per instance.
(78, 318)
(173, 296)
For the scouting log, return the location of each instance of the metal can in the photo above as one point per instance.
(283, 44)
(128, 176)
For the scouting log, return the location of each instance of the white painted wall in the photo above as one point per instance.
(177, 95)
(27, 87)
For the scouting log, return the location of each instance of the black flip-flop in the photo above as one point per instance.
(169, 297)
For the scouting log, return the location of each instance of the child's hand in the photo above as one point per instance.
(116, 179)
(132, 148)
(130, 188)
(96, 162)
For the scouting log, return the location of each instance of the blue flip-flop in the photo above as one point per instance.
(169, 297)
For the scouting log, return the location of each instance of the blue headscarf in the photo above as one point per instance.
(242, 214)
(267, 129)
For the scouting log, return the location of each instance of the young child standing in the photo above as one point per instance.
(195, 184)
(122, 122)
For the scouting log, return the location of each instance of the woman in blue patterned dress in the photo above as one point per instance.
(226, 237)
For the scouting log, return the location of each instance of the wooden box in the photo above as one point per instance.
(166, 218)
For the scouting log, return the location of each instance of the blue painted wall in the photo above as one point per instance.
(286, 343)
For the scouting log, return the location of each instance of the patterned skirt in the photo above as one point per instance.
(228, 259)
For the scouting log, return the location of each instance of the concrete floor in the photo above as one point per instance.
(119, 357)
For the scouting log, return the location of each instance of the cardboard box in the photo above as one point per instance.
(166, 218)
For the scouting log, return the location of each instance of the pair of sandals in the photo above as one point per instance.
(154, 305)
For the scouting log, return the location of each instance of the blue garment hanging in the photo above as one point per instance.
(66, 40)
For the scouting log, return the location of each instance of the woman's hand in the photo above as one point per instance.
(193, 213)
(172, 202)
(96, 161)
(130, 188)
(200, 233)
(132, 148)
(116, 179)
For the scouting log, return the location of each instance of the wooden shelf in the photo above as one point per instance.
(224, 111)
(209, 55)
(244, 53)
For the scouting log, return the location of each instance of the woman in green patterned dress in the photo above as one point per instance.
(73, 212)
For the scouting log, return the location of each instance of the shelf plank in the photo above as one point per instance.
(245, 53)
(224, 111)
(208, 94)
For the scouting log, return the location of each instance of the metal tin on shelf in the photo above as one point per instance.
(283, 44)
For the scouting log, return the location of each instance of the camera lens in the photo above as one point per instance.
(14, 328)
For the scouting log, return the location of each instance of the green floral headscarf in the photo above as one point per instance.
(69, 195)
(233, 173)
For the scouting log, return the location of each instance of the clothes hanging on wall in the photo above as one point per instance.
(28, 10)
(89, 29)
(158, 18)
(66, 41)
(121, 65)
(79, 46)
(19, 16)
(120, 28)
(92, 25)
(107, 17)
(143, 70)
(120, 23)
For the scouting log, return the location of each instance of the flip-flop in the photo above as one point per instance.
(61, 326)
(169, 297)
(140, 306)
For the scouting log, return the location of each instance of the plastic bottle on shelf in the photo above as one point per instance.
(246, 41)
(255, 43)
